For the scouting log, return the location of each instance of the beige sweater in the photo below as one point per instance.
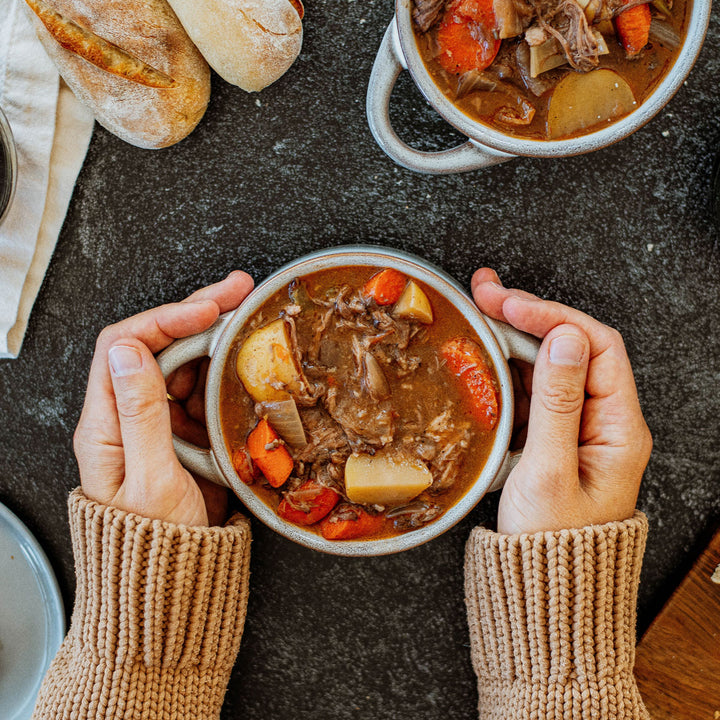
(160, 608)
(552, 622)
(158, 617)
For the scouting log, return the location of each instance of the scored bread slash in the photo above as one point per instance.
(96, 50)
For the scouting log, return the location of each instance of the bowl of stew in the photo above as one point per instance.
(357, 402)
(543, 78)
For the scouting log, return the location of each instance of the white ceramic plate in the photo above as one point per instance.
(32, 619)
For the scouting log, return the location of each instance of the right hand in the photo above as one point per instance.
(587, 441)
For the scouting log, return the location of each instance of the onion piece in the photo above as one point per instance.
(374, 378)
(285, 419)
(417, 506)
(475, 80)
(664, 33)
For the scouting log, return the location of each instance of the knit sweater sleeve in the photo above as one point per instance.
(552, 621)
(158, 617)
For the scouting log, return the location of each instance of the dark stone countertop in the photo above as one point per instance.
(626, 234)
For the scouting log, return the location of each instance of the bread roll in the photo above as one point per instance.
(249, 43)
(131, 62)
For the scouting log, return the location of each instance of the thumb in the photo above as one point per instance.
(556, 404)
(141, 399)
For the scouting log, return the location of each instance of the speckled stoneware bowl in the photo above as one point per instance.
(500, 340)
(8, 167)
(486, 146)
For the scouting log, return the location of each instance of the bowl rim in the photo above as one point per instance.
(482, 134)
(7, 141)
(413, 266)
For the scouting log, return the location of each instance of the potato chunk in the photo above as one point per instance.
(266, 364)
(583, 100)
(414, 304)
(388, 479)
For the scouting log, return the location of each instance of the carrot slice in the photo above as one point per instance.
(633, 28)
(385, 287)
(308, 504)
(466, 36)
(275, 463)
(465, 360)
(362, 525)
(242, 462)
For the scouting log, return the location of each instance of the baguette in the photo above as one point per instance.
(131, 62)
(249, 43)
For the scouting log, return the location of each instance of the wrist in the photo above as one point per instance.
(157, 605)
(167, 570)
(552, 619)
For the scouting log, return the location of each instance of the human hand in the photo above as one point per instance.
(123, 440)
(587, 441)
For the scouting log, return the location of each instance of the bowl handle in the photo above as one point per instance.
(388, 65)
(520, 346)
(194, 458)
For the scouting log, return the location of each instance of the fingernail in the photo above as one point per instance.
(124, 360)
(566, 350)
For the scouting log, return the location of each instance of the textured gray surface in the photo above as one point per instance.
(626, 234)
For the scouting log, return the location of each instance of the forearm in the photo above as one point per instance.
(158, 618)
(552, 621)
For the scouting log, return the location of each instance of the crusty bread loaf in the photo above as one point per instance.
(249, 43)
(131, 62)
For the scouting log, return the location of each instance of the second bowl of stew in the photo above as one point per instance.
(534, 77)
(357, 402)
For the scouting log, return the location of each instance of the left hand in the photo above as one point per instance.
(123, 441)
(587, 441)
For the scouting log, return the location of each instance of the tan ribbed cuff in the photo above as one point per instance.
(159, 613)
(552, 621)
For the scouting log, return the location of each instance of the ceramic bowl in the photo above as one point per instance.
(8, 167)
(501, 341)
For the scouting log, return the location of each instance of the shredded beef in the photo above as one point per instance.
(366, 425)
(325, 437)
(414, 515)
(426, 13)
(451, 437)
(512, 17)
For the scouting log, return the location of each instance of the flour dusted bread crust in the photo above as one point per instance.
(131, 62)
(249, 43)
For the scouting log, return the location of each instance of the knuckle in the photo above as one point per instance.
(137, 406)
(85, 442)
(616, 339)
(615, 335)
(79, 439)
(105, 336)
(646, 441)
(563, 399)
(105, 339)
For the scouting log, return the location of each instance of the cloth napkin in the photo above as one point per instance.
(52, 132)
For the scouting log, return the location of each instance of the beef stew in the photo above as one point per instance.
(358, 403)
(548, 69)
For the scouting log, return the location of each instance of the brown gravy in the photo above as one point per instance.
(421, 390)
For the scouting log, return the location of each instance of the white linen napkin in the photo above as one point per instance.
(52, 131)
